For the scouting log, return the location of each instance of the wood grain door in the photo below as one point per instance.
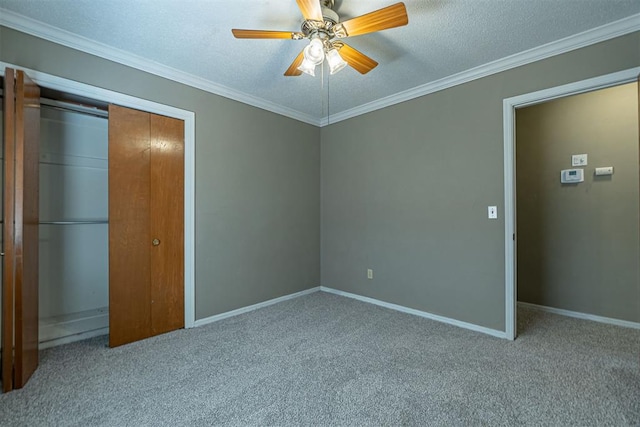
(146, 225)
(167, 224)
(20, 229)
(129, 241)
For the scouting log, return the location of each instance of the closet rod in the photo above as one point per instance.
(71, 106)
(77, 108)
(72, 222)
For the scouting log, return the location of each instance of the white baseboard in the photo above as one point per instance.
(454, 322)
(72, 327)
(584, 316)
(217, 317)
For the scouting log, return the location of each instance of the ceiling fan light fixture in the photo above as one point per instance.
(335, 61)
(308, 67)
(314, 52)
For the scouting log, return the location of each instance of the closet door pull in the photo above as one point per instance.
(155, 242)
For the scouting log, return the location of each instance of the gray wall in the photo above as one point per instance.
(578, 244)
(257, 179)
(405, 190)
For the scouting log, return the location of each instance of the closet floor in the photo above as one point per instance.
(72, 327)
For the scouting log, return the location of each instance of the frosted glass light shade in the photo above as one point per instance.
(314, 52)
(336, 63)
(307, 67)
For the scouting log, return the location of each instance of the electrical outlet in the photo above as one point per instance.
(369, 273)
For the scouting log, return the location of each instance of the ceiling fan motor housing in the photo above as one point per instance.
(324, 28)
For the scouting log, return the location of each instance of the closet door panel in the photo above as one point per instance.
(20, 229)
(27, 223)
(129, 238)
(7, 230)
(167, 223)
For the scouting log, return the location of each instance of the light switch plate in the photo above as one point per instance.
(579, 160)
(492, 212)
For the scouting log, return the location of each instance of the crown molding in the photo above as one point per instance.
(45, 31)
(48, 32)
(605, 32)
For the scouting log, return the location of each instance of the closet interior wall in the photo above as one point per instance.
(74, 245)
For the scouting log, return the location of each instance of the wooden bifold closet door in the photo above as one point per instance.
(20, 229)
(146, 225)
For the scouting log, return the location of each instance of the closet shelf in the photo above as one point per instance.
(101, 221)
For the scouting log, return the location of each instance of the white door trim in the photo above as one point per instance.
(509, 106)
(189, 117)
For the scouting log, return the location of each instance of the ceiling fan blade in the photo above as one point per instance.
(266, 34)
(311, 9)
(293, 68)
(357, 60)
(382, 19)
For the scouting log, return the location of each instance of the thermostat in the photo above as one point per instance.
(570, 176)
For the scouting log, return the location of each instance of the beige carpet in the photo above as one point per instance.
(327, 360)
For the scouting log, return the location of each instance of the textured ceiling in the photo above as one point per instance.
(444, 37)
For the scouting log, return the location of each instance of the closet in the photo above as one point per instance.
(74, 268)
(93, 224)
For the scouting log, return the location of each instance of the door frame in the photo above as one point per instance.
(509, 107)
(99, 94)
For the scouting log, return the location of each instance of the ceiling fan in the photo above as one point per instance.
(323, 28)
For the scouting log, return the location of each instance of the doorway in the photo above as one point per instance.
(578, 241)
(509, 114)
